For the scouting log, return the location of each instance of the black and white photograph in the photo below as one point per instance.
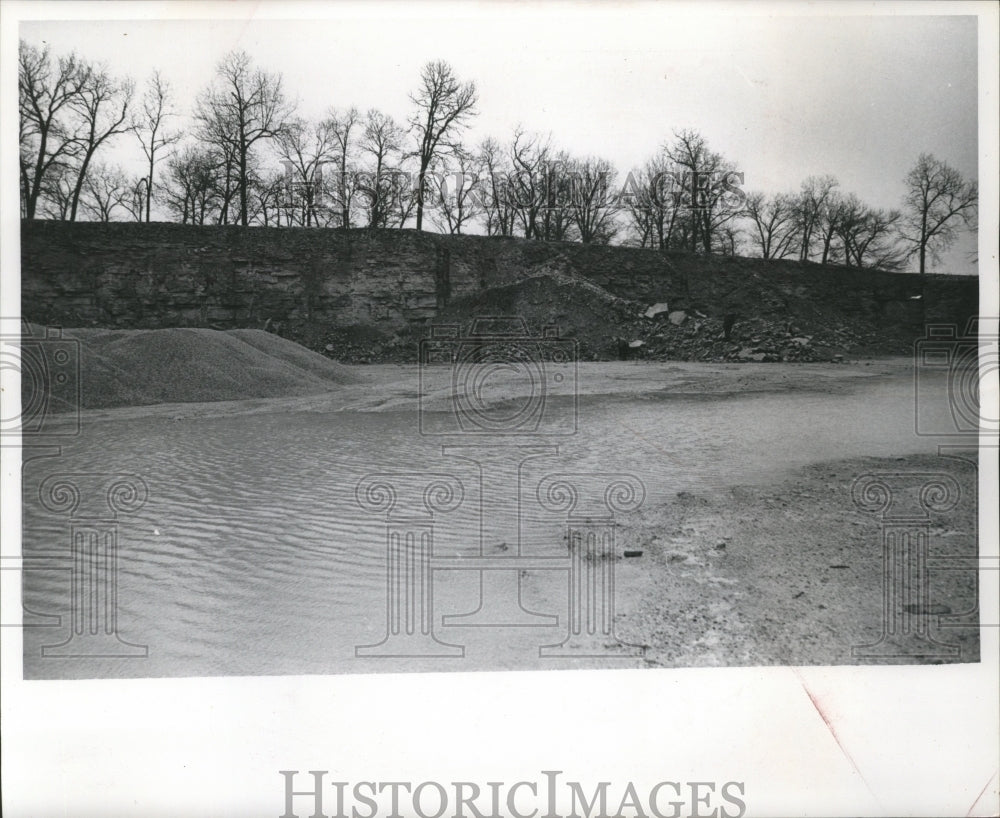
(584, 377)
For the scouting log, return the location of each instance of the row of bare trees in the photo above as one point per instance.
(824, 224)
(688, 197)
(527, 187)
(347, 169)
(250, 159)
(70, 110)
(821, 224)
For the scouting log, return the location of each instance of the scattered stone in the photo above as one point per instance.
(656, 309)
(747, 354)
(677, 317)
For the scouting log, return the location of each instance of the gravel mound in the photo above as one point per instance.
(143, 367)
(295, 355)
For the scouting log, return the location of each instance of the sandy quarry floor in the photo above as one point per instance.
(783, 573)
(396, 387)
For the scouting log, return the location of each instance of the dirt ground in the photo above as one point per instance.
(790, 574)
(398, 387)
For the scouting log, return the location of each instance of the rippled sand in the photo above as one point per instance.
(252, 555)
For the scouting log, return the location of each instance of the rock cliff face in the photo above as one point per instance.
(310, 281)
(162, 275)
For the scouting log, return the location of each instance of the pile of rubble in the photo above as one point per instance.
(693, 336)
(689, 335)
(619, 334)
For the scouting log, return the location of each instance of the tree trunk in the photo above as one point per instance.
(345, 205)
(923, 238)
(78, 188)
(243, 187)
(36, 183)
(149, 186)
(420, 201)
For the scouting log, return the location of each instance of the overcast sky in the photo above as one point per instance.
(783, 97)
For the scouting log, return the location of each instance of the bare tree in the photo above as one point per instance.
(269, 200)
(381, 144)
(150, 127)
(134, 202)
(868, 235)
(221, 151)
(730, 239)
(106, 190)
(344, 126)
(877, 244)
(827, 225)
(193, 184)
(403, 198)
(529, 155)
(773, 224)
(561, 181)
(652, 203)
(938, 198)
(305, 149)
(640, 219)
(690, 155)
(56, 198)
(705, 179)
(849, 224)
(245, 106)
(47, 139)
(444, 107)
(593, 203)
(497, 207)
(459, 200)
(813, 198)
(102, 106)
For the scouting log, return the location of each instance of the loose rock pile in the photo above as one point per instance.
(702, 338)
